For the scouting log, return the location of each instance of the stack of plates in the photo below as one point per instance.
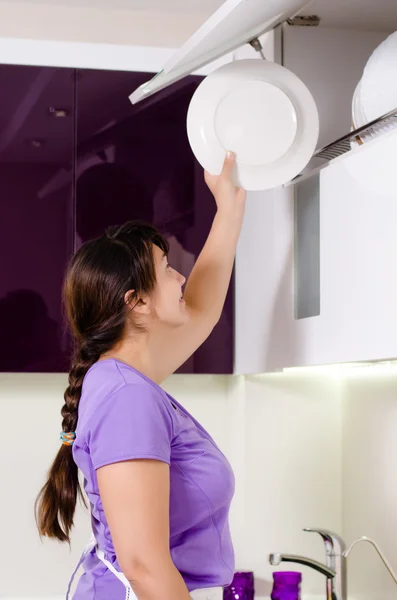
(373, 167)
(376, 92)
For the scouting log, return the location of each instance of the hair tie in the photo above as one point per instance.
(67, 437)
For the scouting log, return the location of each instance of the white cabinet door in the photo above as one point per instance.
(264, 284)
(232, 25)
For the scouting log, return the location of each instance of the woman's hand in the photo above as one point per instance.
(229, 198)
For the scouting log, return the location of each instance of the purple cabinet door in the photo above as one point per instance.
(135, 162)
(36, 226)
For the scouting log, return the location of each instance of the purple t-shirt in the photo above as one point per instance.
(123, 415)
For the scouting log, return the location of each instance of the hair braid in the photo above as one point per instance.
(84, 359)
(63, 483)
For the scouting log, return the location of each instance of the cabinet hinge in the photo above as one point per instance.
(304, 21)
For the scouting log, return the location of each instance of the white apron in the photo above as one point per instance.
(215, 593)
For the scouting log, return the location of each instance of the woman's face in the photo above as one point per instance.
(167, 303)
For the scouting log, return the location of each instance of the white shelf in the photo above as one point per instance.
(235, 23)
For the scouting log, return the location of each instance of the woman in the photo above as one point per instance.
(159, 488)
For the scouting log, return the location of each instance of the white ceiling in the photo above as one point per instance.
(180, 6)
(372, 15)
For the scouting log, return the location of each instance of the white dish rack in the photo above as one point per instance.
(324, 156)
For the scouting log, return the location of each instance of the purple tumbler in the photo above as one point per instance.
(286, 586)
(241, 588)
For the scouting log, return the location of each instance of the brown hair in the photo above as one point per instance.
(99, 275)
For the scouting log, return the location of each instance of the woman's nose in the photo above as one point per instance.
(181, 278)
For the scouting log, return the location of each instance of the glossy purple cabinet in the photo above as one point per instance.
(36, 227)
(76, 156)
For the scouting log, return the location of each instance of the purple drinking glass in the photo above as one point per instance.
(286, 585)
(241, 588)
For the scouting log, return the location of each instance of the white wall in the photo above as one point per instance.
(370, 480)
(274, 429)
(292, 473)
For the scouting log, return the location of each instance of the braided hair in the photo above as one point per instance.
(100, 276)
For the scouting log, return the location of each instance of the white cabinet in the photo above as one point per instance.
(358, 253)
(357, 318)
(357, 247)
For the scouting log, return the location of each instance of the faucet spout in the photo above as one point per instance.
(277, 558)
(334, 569)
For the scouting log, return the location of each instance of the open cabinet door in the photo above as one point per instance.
(235, 23)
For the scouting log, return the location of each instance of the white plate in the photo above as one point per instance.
(359, 119)
(262, 112)
(358, 116)
(378, 88)
(376, 92)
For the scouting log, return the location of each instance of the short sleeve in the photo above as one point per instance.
(132, 423)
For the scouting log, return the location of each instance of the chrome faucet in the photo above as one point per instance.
(335, 563)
